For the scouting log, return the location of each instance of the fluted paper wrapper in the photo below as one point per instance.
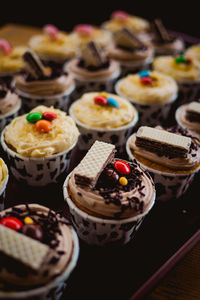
(37, 171)
(168, 186)
(51, 291)
(150, 114)
(99, 231)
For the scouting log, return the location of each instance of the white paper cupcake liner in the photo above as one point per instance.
(99, 231)
(168, 186)
(7, 118)
(90, 85)
(59, 101)
(150, 114)
(116, 136)
(3, 191)
(37, 171)
(53, 290)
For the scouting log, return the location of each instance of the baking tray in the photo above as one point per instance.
(129, 272)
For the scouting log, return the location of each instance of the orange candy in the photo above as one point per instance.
(43, 126)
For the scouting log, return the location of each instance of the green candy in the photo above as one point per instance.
(180, 59)
(34, 117)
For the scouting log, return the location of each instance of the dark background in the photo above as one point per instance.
(177, 15)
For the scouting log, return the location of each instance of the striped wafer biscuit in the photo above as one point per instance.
(91, 166)
(91, 54)
(126, 38)
(22, 248)
(34, 65)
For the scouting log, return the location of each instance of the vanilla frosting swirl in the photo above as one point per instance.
(86, 111)
(93, 202)
(9, 103)
(193, 52)
(47, 271)
(21, 135)
(3, 173)
(12, 62)
(164, 88)
(62, 47)
(83, 73)
(184, 122)
(181, 72)
(49, 87)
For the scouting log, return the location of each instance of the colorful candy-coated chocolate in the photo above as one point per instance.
(180, 59)
(5, 46)
(28, 220)
(84, 29)
(119, 14)
(123, 181)
(12, 223)
(51, 30)
(112, 102)
(48, 115)
(43, 126)
(34, 117)
(144, 73)
(100, 100)
(122, 167)
(33, 231)
(146, 80)
(111, 175)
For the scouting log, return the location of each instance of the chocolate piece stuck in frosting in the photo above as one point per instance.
(125, 39)
(34, 65)
(160, 31)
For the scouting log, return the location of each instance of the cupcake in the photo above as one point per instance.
(132, 53)
(11, 62)
(121, 19)
(9, 106)
(107, 197)
(92, 70)
(3, 181)
(185, 71)
(193, 52)
(85, 33)
(171, 156)
(39, 250)
(54, 47)
(40, 85)
(105, 117)
(152, 93)
(188, 117)
(39, 144)
(163, 42)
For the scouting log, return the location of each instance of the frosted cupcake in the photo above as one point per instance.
(9, 106)
(163, 42)
(39, 145)
(3, 182)
(92, 70)
(107, 197)
(121, 19)
(11, 62)
(85, 33)
(132, 53)
(54, 47)
(171, 156)
(105, 117)
(43, 251)
(188, 117)
(193, 52)
(152, 93)
(185, 71)
(40, 85)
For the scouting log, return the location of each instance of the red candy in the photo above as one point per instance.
(146, 80)
(5, 46)
(122, 167)
(119, 14)
(100, 100)
(84, 29)
(51, 30)
(12, 223)
(48, 115)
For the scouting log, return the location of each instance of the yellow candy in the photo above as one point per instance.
(154, 77)
(103, 94)
(28, 220)
(123, 181)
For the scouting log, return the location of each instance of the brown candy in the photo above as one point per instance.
(33, 231)
(111, 175)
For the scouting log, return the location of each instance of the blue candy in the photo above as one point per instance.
(144, 73)
(112, 102)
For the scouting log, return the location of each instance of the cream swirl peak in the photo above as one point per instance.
(8, 101)
(122, 189)
(3, 173)
(44, 226)
(88, 111)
